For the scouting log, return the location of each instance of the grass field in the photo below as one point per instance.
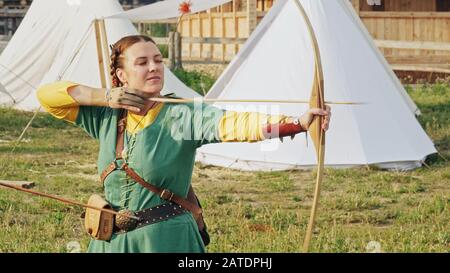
(245, 211)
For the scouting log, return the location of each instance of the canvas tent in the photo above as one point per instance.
(56, 41)
(166, 9)
(277, 62)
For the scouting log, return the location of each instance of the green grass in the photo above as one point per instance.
(197, 81)
(245, 211)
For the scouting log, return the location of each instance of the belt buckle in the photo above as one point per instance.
(125, 223)
(164, 196)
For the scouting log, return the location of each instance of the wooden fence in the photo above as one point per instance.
(414, 39)
(418, 41)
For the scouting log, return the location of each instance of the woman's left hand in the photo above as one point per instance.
(307, 118)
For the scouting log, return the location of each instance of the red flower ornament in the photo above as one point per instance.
(185, 7)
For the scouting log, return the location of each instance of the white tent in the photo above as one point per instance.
(166, 9)
(56, 41)
(277, 62)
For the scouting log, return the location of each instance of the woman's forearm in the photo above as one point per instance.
(85, 95)
(253, 126)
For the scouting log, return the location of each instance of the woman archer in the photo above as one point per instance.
(147, 148)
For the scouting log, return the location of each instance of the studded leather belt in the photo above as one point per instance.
(147, 217)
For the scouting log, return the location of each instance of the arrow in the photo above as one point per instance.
(67, 201)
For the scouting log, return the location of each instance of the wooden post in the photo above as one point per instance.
(177, 49)
(101, 64)
(200, 26)
(356, 5)
(171, 49)
(211, 34)
(104, 39)
(251, 16)
(222, 22)
(190, 35)
(236, 28)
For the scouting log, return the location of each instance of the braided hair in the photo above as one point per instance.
(117, 57)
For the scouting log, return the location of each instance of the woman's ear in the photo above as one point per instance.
(121, 75)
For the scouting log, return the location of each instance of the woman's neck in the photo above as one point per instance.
(149, 105)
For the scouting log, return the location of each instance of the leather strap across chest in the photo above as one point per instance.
(163, 193)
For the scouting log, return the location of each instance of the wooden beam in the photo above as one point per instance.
(214, 40)
(412, 45)
(222, 21)
(190, 35)
(236, 28)
(201, 34)
(251, 16)
(403, 14)
(356, 5)
(211, 34)
(163, 21)
(239, 14)
(419, 59)
(420, 68)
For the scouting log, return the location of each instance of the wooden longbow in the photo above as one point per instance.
(317, 134)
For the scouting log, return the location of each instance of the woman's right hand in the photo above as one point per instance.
(126, 98)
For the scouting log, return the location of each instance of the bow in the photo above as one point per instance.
(315, 129)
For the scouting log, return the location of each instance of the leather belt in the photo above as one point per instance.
(152, 215)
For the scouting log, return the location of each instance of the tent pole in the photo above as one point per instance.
(105, 44)
(101, 64)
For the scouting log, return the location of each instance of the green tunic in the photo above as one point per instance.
(163, 153)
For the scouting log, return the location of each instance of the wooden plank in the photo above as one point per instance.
(189, 35)
(236, 29)
(22, 184)
(439, 33)
(222, 21)
(211, 32)
(439, 30)
(395, 33)
(422, 32)
(379, 29)
(408, 35)
(163, 21)
(356, 5)
(239, 14)
(388, 29)
(204, 61)
(251, 15)
(425, 68)
(214, 40)
(430, 33)
(200, 34)
(421, 59)
(371, 14)
(433, 5)
(412, 45)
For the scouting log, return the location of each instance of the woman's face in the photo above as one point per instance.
(143, 68)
